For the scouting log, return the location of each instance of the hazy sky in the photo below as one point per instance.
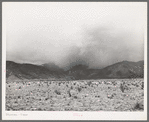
(69, 33)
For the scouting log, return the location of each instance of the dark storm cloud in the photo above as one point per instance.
(101, 46)
(105, 46)
(67, 34)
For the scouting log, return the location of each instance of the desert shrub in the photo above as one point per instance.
(142, 94)
(142, 86)
(114, 83)
(89, 83)
(51, 109)
(71, 87)
(110, 96)
(85, 109)
(46, 98)
(69, 93)
(79, 89)
(122, 88)
(39, 109)
(57, 92)
(97, 96)
(138, 106)
(75, 97)
(68, 109)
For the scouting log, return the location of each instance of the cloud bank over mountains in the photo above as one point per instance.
(95, 34)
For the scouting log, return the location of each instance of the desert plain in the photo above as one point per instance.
(78, 95)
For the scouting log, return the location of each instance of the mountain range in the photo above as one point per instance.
(124, 69)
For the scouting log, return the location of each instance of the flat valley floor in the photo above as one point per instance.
(82, 95)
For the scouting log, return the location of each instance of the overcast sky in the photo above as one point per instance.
(69, 33)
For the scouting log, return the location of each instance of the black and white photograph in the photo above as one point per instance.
(74, 60)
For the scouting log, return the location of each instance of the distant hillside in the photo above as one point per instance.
(124, 69)
(30, 71)
(78, 71)
(53, 67)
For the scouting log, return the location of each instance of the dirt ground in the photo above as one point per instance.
(83, 95)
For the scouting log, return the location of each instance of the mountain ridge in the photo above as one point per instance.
(124, 69)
